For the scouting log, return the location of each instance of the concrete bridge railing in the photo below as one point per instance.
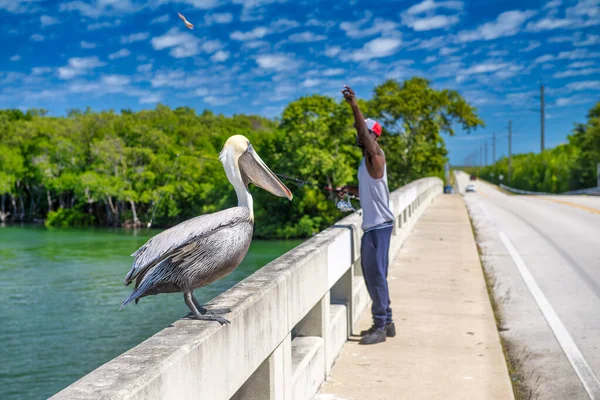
(289, 321)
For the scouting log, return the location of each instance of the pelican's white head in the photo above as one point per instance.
(243, 166)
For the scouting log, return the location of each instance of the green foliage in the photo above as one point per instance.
(566, 167)
(108, 168)
(414, 115)
(65, 217)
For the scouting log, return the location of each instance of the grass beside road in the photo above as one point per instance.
(523, 389)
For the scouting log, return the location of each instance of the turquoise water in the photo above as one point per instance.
(60, 292)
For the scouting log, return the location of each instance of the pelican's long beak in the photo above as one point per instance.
(254, 170)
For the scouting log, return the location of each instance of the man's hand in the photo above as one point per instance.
(349, 95)
(342, 191)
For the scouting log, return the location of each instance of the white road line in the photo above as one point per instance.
(582, 369)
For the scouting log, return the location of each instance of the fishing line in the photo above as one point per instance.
(342, 205)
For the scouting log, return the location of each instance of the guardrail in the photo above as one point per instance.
(590, 191)
(289, 321)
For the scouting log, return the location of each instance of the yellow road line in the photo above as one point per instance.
(568, 203)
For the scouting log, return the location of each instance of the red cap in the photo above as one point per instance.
(373, 126)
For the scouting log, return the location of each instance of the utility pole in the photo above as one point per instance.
(494, 148)
(486, 154)
(480, 156)
(542, 115)
(509, 151)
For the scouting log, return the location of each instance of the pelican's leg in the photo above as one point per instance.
(187, 296)
(213, 311)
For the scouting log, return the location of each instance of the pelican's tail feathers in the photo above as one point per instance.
(135, 295)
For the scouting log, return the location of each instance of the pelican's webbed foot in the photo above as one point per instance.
(212, 311)
(197, 314)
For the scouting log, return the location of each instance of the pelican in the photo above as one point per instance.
(203, 249)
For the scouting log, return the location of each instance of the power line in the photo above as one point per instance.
(542, 116)
(494, 148)
(509, 150)
(486, 154)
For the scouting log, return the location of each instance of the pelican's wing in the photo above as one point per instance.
(163, 244)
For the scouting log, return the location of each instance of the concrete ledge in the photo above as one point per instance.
(198, 359)
(308, 366)
(338, 332)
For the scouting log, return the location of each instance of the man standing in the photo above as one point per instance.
(378, 222)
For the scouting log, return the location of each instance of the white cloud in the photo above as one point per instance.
(545, 58)
(210, 46)
(218, 100)
(306, 37)
(79, 66)
(218, 18)
(583, 13)
(507, 24)
(430, 59)
(101, 25)
(47, 20)
(421, 17)
(41, 70)
(435, 22)
(333, 72)
(87, 45)
(107, 84)
(568, 55)
(446, 51)
(14, 58)
(144, 67)
(581, 64)
(570, 101)
(36, 37)
(323, 24)
(433, 43)
(182, 44)
(357, 29)
(255, 44)
(257, 33)
(101, 8)
(531, 46)
(161, 20)
(200, 4)
(553, 4)
(276, 62)
(115, 80)
(498, 53)
(311, 82)
(577, 72)
(591, 40)
(430, 5)
(18, 6)
(278, 26)
(135, 37)
(377, 48)
(332, 51)
(120, 54)
(169, 79)
(220, 56)
(150, 98)
(584, 85)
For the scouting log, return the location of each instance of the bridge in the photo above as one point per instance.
(294, 322)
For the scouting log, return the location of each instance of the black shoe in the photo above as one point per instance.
(377, 336)
(390, 330)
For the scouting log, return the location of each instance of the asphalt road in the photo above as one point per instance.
(544, 252)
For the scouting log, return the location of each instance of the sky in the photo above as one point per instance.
(255, 56)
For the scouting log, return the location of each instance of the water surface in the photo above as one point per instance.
(60, 292)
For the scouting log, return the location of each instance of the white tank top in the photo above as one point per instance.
(374, 198)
